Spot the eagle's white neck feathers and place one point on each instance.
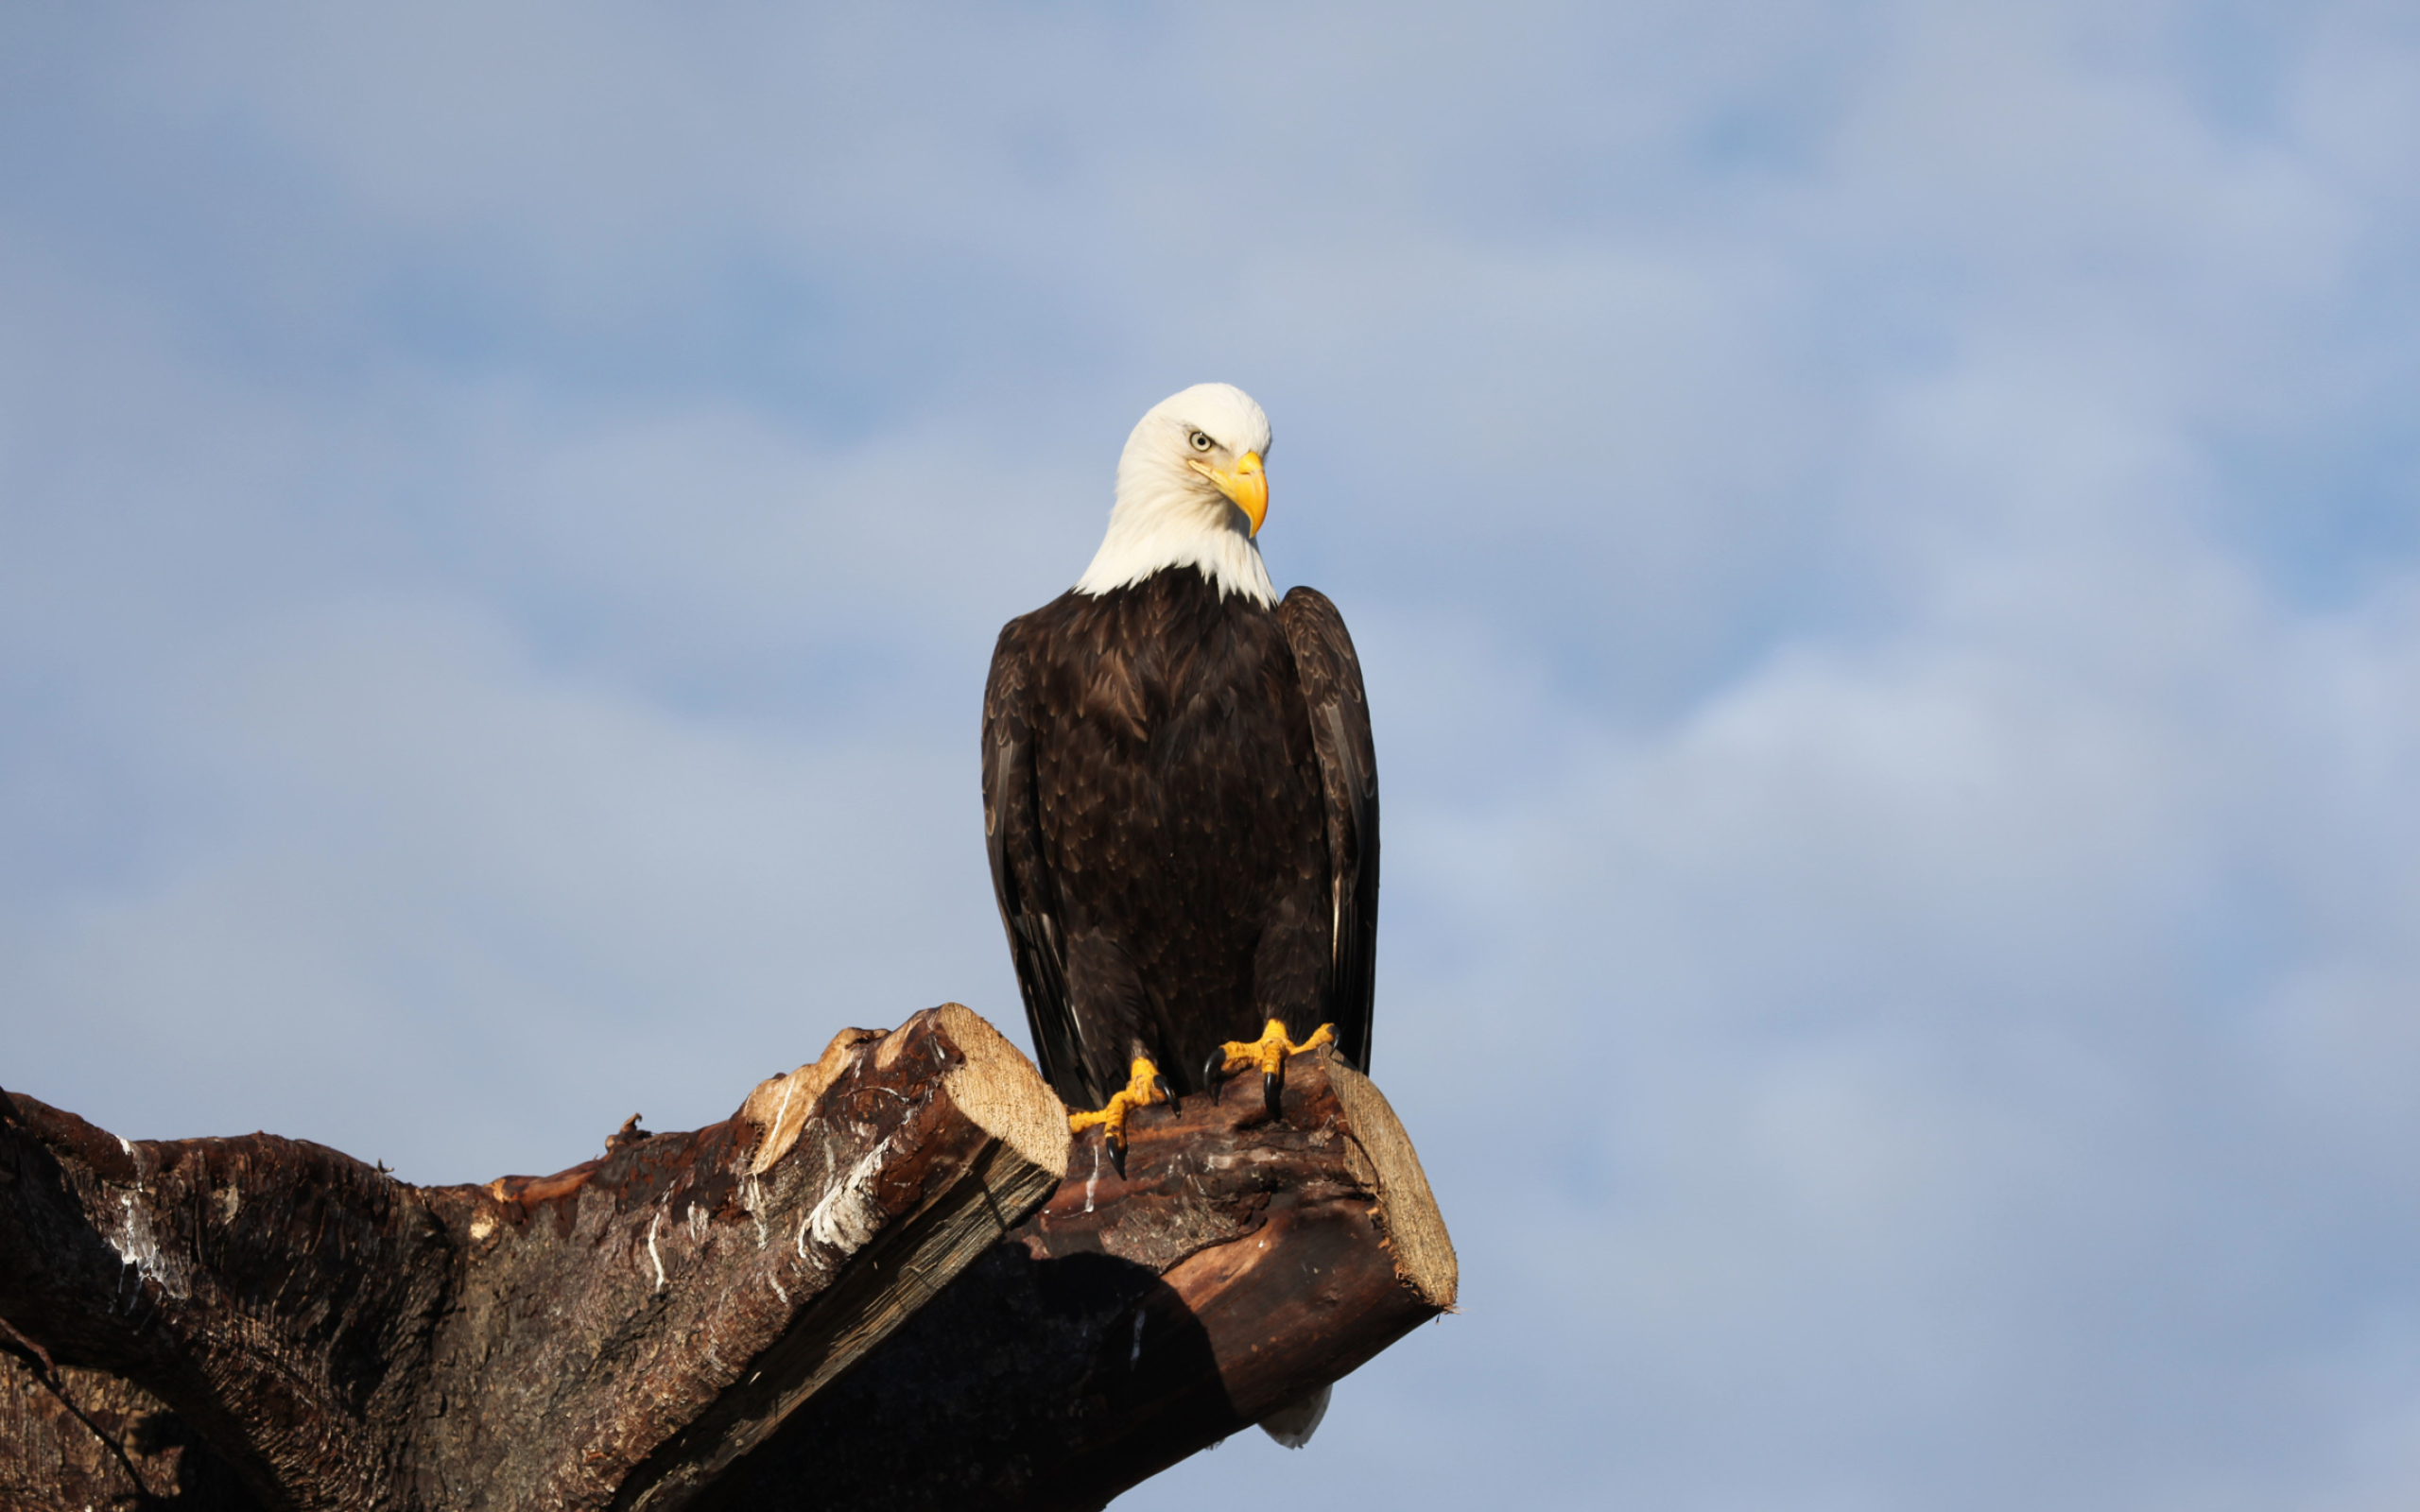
(1168, 515)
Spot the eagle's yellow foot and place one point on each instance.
(1268, 1053)
(1145, 1087)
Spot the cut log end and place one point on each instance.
(999, 1089)
(1416, 1230)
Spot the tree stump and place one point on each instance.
(877, 1283)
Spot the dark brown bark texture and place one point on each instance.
(81, 1440)
(871, 1287)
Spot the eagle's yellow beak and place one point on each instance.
(1247, 485)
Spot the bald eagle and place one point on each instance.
(1179, 791)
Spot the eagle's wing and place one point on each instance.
(1331, 677)
(1020, 877)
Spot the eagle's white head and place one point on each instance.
(1190, 493)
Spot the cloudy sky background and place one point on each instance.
(1885, 539)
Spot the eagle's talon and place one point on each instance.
(1143, 1087)
(1167, 1093)
(1215, 1075)
(1268, 1053)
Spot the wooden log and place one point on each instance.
(759, 1314)
(615, 1335)
(1240, 1266)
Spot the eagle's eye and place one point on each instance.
(1201, 440)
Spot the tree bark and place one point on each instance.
(828, 1300)
(77, 1440)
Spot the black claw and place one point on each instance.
(1116, 1153)
(1272, 1091)
(1160, 1085)
(1214, 1072)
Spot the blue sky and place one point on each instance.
(1885, 541)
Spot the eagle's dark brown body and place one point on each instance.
(1181, 807)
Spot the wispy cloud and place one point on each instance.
(1886, 541)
